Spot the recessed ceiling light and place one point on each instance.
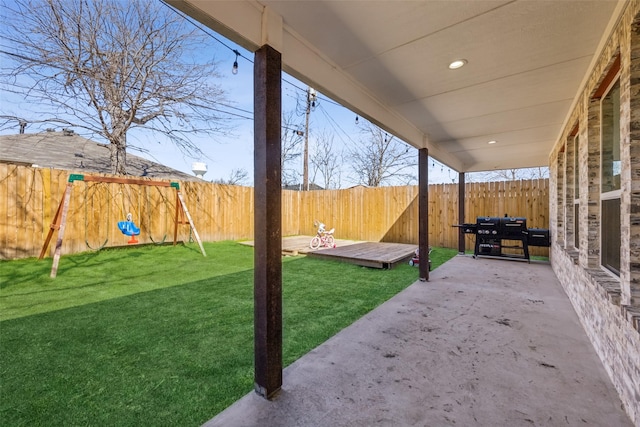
(493, 141)
(457, 64)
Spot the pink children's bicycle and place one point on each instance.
(324, 238)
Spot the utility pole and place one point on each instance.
(311, 102)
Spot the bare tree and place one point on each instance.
(325, 162)
(379, 158)
(236, 177)
(291, 149)
(108, 67)
(510, 174)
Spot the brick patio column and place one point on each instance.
(423, 212)
(569, 193)
(591, 228)
(632, 294)
(267, 222)
(560, 206)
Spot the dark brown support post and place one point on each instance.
(461, 194)
(267, 222)
(423, 212)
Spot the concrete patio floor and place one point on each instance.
(486, 342)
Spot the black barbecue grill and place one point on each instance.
(490, 233)
(513, 227)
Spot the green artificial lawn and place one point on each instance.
(161, 335)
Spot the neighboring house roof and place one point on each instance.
(68, 150)
(298, 187)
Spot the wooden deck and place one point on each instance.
(367, 254)
(294, 245)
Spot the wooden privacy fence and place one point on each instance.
(390, 214)
(29, 198)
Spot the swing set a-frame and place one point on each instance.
(60, 218)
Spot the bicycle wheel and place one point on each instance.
(329, 241)
(315, 243)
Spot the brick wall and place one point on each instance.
(608, 326)
(607, 304)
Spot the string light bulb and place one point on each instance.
(357, 121)
(234, 69)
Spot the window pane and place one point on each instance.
(610, 256)
(576, 175)
(610, 116)
(576, 225)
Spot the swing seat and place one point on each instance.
(128, 228)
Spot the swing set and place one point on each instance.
(127, 227)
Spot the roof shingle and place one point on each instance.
(68, 150)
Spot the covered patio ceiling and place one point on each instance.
(388, 61)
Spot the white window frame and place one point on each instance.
(609, 195)
(576, 188)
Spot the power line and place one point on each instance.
(15, 55)
(238, 109)
(323, 98)
(336, 126)
(232, 114)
